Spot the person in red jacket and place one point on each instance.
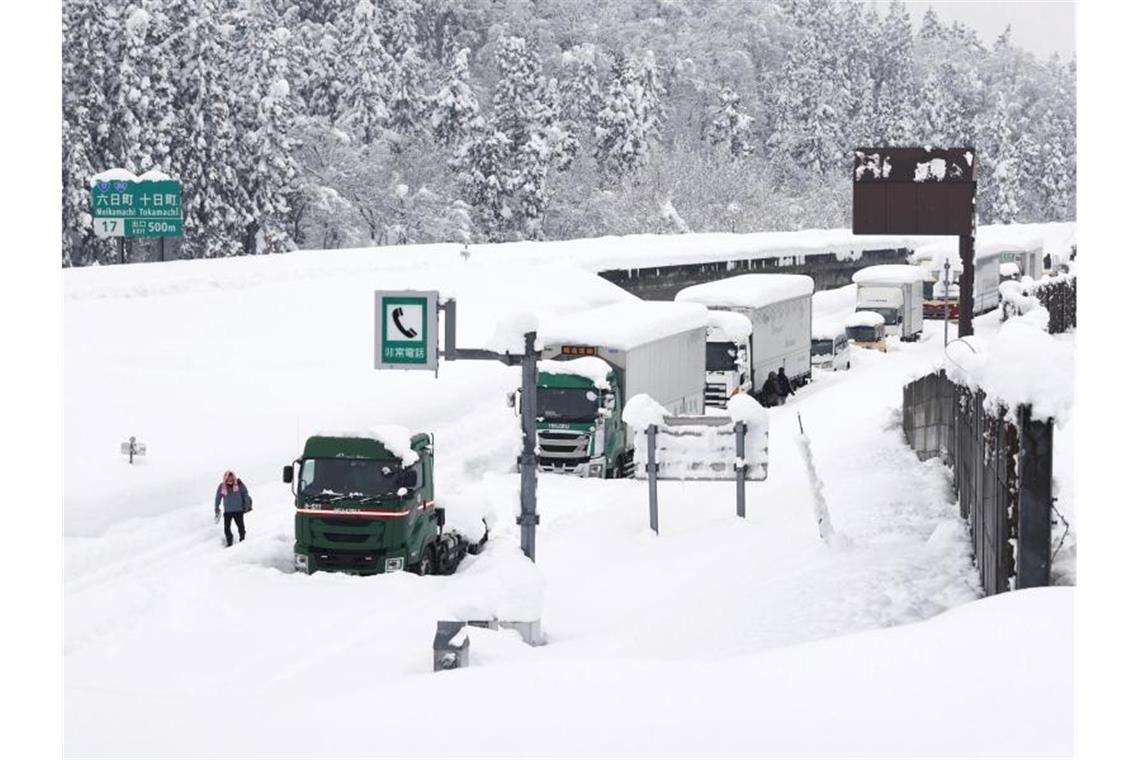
(232, 498)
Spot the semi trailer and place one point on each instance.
(779, 308)
(594, 361)
(365, 504)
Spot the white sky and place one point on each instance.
(1039, 26)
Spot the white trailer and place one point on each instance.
(895, 292)
(779, 307)
(653, 347)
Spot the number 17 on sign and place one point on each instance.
(109, 228)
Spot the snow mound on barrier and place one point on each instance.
(641, 411)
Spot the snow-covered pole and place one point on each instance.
(946, 302)
(528, 510)
(651, 475)
(741, 467)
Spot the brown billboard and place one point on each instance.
(913, 191)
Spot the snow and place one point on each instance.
(828, 330)
(749, 290)
(641, 411)
(732, 325)
(510, 333)
(395, 438)
(213, 364)
(1054, 238)
(154, 175)
(889, 273)
(744, 408)
(1022, 364)
(865, 319)
(624, 325)
(125, 175)
(934, 169)
(590, 367)
(1009, 269)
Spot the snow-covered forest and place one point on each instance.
(335, 123)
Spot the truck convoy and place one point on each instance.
(365, 504)
(595, 360)
(987, 276)
(779, 308)
(895, 291)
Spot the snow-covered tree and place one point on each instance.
(454, 107)
(630, 118)
(487, 180)
(732, 127)
(1000, 181)
(366, 84)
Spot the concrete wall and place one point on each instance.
(662, 283)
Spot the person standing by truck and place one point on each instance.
(233, 498)
(770, 391)
(783, 386)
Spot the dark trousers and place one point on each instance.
(238, 518)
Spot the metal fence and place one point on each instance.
(1057, 294)
(1003, 468)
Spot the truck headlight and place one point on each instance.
(596, 470)
(301, 562)
(393, 564)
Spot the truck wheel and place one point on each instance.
(426, 565)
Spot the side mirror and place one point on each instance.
(609, 402)
(287, 474)
(513, 401)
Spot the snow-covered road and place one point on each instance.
(174, 645)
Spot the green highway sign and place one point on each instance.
(406, 324)
(147, 208)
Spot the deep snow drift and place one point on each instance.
(720, 636)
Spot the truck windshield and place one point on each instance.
(720, 357)
(348, 478)
(567, 404)
(821, 347)
(862, 334)
(890, 316)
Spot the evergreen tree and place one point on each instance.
(999, 183)
(897, 89)
(486, 180)
(454, 108)
(731, 126)
(630, 117)
(367, 87)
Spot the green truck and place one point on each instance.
(366, 504)
(594, 361)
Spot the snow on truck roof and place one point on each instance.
(749, 290)
(395, 438)
(865, 319)
(826, 330)
(589, 367)
(892, 273)
(624, 325)
(735, 326)
(1055, 238)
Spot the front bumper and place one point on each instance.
(352, 561)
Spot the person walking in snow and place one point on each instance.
(770, 391)
(784, 386)
(233, 498)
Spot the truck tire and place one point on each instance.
(426, 565)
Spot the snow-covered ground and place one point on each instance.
(721, 636)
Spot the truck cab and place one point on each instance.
(365, 504)
(866, 329)
(578, 430)
(728, 359)
(829, 347)
(894, 292)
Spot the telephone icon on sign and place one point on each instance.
(407, 332)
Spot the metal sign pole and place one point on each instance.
(966, 286)
(528, 511)
(741, 467)
(946, 303)
(651, 474)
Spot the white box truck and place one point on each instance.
(895, 292)
(779, 307)
(596, 360)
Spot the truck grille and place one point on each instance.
(561, 449)
(716, 395)
(349, 561)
